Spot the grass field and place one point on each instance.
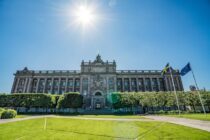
(76, 129)
(194, 116)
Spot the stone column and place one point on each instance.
(13, 85)
(16, 86)
(123, 84)
(74, 82)
(170, 84)
(80, 86)
(37, 86)
(89, 82)
(45, 85)
(52, 83)
(29, 85)
(158, 82)
(115, 84)
(137, 85)
(130, 85)
(25, 85)
(166, 83)
(59, 85)
(107, 85)
(180, 83)
(144, 87)
(151, 86)
(66, 84)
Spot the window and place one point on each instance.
(55, 83)
(147, 84)
(63, 82)
(154, 84)
(141, 84)
(77, 82)
(49, 83)
(162, 86)
(70, 83)
(126, 84)
(111, 84)
(98, 94)
(119, 84)
(133, 84)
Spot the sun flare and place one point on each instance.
(84, 15)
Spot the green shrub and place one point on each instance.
(1, 111)
(8, 114)
(173, 111)
(161, 112)
(70, 100)
(27, 100)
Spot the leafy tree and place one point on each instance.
(70, 100)
(193, 100)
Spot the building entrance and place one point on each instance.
(98, 101)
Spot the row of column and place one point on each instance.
(25, 85)
(167, 84)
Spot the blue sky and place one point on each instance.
(138, 34)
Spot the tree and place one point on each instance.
(192, 99)
(70, 100)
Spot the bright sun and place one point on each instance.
(84, 15)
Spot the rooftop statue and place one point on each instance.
(98, 59)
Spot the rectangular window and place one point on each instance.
(70, 83)
(126, 84)
(119, 84)
(154, 84)
(133, 84)
(162, 85)
(148, 84)
(141, 84)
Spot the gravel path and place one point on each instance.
(199, 124)
(72, 117)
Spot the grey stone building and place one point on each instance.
(95, 81)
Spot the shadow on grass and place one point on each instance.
(91, 134)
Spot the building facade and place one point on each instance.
(95, 81)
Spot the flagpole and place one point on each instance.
(198, 91)
(177, 101)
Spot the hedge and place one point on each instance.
(7, 113)
(40, 100)
(160, 100)
(1, 111)
(147, 100)
(70, 100)
(27, 100)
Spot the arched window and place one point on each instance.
(98, 94)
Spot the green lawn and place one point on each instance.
(194, 116)
(65, 129)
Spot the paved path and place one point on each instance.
(203, 125)
(74, 117)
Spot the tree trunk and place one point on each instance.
(193, 107)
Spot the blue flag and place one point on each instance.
(185, 70)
